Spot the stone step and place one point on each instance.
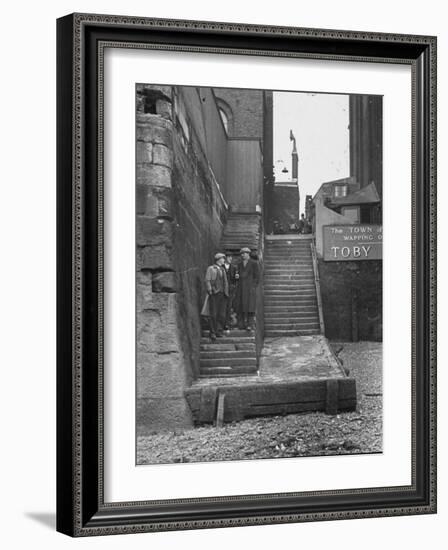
(279, 333)
(287, 314)
(205, 340)
(297, 280)
(227, 347)
(222, 372)
(285, 303)
(288, 307)
(293, 278)
(270, 298)
(288, 254)
(285, 246)
(289, 310)
(234, 333)
(244, 232)
(282, 289)
(290, 264)
(225, 354)
(288, 260)
(277, 322)
(227, 362)
(290, 293)
(218, 347)
(284, 324)
(288, 270)
(289, 283)
(298, 292)
(291, 248)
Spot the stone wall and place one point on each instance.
(352, 299)
(180, 214)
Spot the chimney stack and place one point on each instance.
(295, 157)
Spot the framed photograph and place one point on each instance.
(246, 274)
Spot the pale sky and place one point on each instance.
(320, 125)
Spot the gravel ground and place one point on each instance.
(310, 434)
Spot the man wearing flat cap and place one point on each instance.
(217, 287)
(248, 277)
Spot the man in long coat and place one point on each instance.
(217, 288)
(248, 277)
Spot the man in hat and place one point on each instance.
(217, 288)
(248, 277)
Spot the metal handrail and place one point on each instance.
(259, 304)
(317, 284)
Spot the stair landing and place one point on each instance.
(297, 374)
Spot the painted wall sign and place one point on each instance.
(352, 242)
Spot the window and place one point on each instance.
(351, 212)
(224, 119)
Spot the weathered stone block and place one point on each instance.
(155, 202)
(140, 102)
(155, 415)
(155, 258)
(162, 155)
(143, 197)
(154, 335)
(154, 129)
(156, 89)
(164, 108)
(144, 300)
(160, 375)
(153, 231)
(151, 174)
(164, 282)
(144, 152)
(144, 278)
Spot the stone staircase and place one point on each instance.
(290, 300)
(235, 353)
(232, 355)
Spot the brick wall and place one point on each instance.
(247, 111)
(285, 205)
(180, 214)
(352, 299)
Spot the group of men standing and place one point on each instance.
(231, 286)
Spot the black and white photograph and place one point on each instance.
(259, 295)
